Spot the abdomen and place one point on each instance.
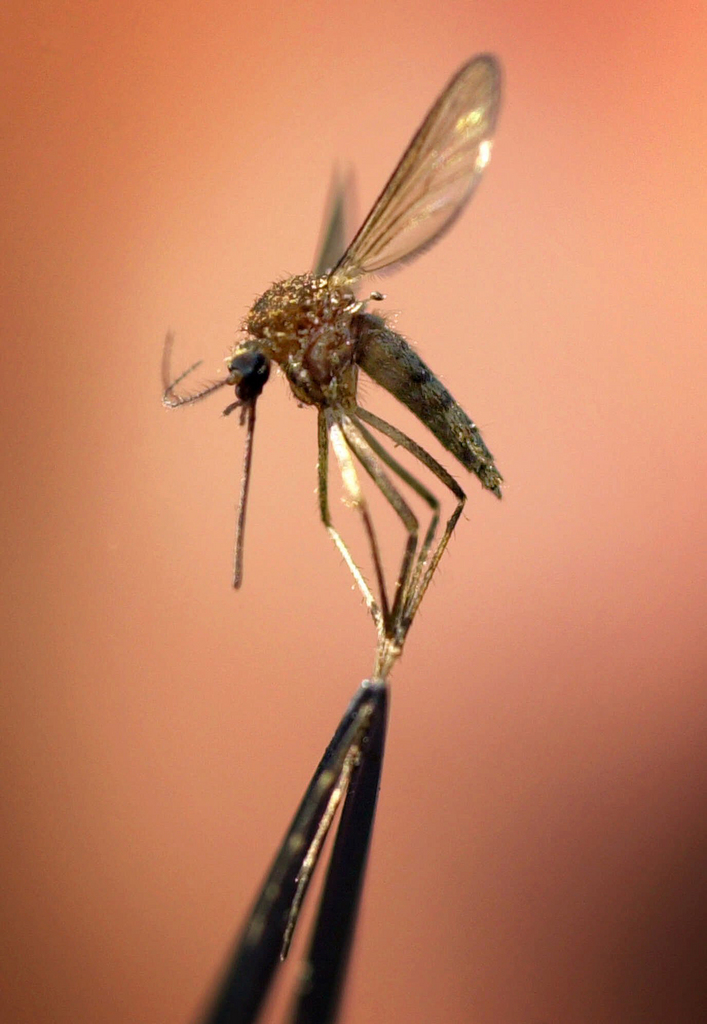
(388, 360)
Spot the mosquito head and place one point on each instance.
(249, 369)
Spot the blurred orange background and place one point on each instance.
(540, 845)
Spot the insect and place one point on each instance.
(321, 335)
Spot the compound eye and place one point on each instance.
(254, 370)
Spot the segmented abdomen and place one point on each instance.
(388, 359)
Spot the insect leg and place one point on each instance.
(417, 486)
(358, 501)
(323, 490)
(371, 464)
(420, 585)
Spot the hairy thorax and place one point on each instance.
(304, 324)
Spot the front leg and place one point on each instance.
(356, 498)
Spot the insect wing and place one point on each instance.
(435, 177)
(337, 224)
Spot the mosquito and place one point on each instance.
(321, 335)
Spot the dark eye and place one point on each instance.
(254, 370)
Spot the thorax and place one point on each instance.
(304, 324)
